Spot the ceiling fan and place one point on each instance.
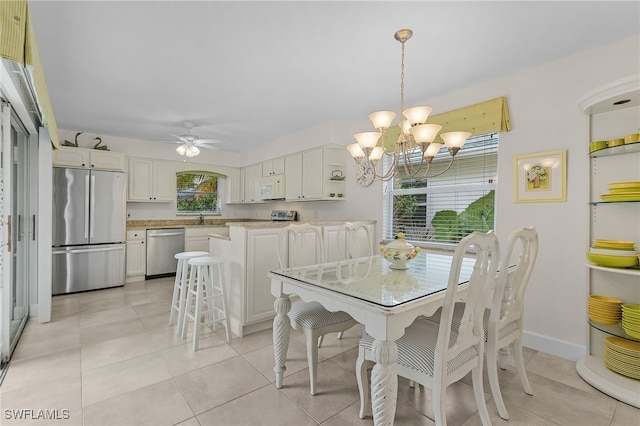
(190, 144)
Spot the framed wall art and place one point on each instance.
(540, 177)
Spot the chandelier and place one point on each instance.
(188, 149)
(415, 138)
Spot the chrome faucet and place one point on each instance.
(201, 219)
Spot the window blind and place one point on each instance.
(443, 209)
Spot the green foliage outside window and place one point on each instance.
(197, 192)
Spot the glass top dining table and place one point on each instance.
(384, 300)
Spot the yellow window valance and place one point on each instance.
(18, 44)
(479, 119)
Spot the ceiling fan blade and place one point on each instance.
(204, 141)
(179, 137)
(213, 148)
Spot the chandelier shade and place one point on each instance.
(415, 138)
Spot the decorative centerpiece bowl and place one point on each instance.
(399, 252)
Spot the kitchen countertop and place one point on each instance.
(181, 223)
(279, 224)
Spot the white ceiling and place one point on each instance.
(247, 73)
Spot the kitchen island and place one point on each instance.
(250, 252)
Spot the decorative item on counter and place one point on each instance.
(73, 144)
(399, 252)
(337, 175)
(98, 146)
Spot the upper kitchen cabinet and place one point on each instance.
(273, 167)
(151, 180)
(83, 158)
(316, 174)
(251, 173)
(303, 172)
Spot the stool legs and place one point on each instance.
(179, 295)
(207, 288)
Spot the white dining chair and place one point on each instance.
(504, 319)
(299, 245)
(434, 355)
(355, 240)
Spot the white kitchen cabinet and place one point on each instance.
(303, 173)
(312, 175)
(196, 238)
(136, 257)
(612, 220)
(249, 255)
(83, 158)
(151, 180)
(273, 167)
(251, 173)
(235, 187)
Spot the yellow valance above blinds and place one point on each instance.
(479, 119)
(18, 44)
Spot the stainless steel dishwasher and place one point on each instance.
(162, 246)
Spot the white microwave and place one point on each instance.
(270, 188)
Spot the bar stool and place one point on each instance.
(206, 284)
(180, 287)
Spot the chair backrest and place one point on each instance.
(508, 299)
(355, 240)
(299, 245)
(486, 250)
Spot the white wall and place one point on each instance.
(544, 113)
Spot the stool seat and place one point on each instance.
(206, 296)
(186, 255)
(180, 287)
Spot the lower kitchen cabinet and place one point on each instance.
(197, 238)
(136, 258)
(249, 255)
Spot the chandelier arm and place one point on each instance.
(441, 172)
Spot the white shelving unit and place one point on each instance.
(610, 118)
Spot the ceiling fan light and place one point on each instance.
(417, 115)
(182, 149)
(425, 132)
(382, 120)
(455, 139)
(192, 151)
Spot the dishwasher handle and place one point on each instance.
(166, 234)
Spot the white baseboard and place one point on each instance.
(546, 344)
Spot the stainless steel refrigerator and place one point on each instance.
(89, 229)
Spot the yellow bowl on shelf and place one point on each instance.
(632, 138)
(597, 145)
(613, 261)
(615, 142)
(620, 185)
(614, 244)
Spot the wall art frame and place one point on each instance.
(540, 177)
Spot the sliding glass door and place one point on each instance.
(18, 215)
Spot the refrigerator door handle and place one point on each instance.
(92, 206)
(86, 250)
(86, 206)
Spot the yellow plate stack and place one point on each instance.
(631, 320)
(604, 309)
(613, 253)
(622, 356)
(622, 191)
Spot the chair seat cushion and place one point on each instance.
(416, 349)
(313, 315)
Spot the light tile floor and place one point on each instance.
(109, 357)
